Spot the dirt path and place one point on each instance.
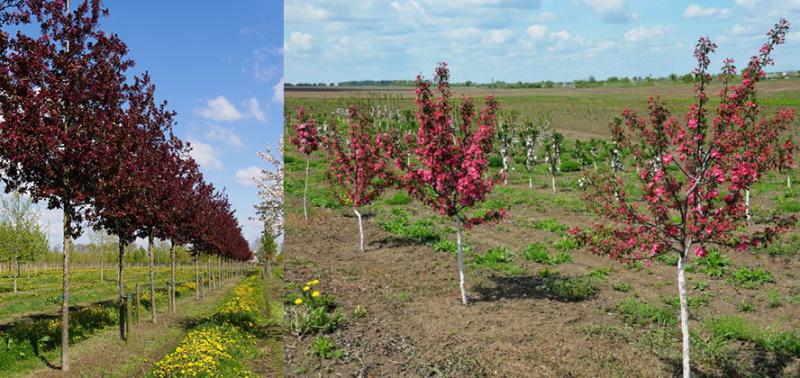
(104, 355)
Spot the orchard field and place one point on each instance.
(249, 319)
(541, 304)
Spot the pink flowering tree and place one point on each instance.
(306, 139)
(694, 185)
(448, 171)
(358, 163)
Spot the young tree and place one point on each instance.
(552, 155)
(449, 170)
(505, 135)
(306, 140)
(21, 237)
(358, 163)
(618, 143)
(270, 192)
(59, 96)
(529, 136)
(693, 189)
(266, 248)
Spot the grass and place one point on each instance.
(636, 312)
(751, 278)
(324, 347)
(714, 264)
(498, 259)
(399, 222)
(537, 252)
(735, 327)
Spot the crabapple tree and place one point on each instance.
(306, 139)
(694, 186)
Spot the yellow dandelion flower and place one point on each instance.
(306, 288)
(298, 301)
(315, 294)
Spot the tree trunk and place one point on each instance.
(360, 228)
(530, 182)
(197, 284)
(101, 270)
(172, 276)
(789, 181)
(684, 311)
(123, 311)
(553, 182)
(747, 204)
(305, 192)
(219, 271)
(208, 274)
(16, 273)
(65, 283)
(460, 262)
(152, 279)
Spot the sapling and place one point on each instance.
(529, 135)
(449, 170)
(306, 140)
(358, 163)
(552, 152)
(505, 135)
(693, 191)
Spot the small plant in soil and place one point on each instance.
(310, 311)
(552, 225)
(714, 264)
(498, 259)
(359, 312)
(623, 287)
(537, 252)
(324, 347)
(774, 298)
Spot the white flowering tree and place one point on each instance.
(270, 193)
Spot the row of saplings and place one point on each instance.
(693, 185)
(97, 144)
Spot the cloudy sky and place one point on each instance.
(220, 66)
(527, 40)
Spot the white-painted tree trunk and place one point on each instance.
(553, 181)
(747, 204)
(151, 255)
(360, 228)
(684, 311)
(530, 182)
(461, 283)
(305, 193)
(788, 181)
(16, 274)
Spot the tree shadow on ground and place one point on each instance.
(398, 242)
(555, 287)
(745, 362)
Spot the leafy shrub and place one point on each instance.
(751, 278)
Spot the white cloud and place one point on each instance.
(277, 92)
(645, 34)
(749, 4)
(219, 109)
(694, 11)
(247, 176)
(543, 17)
(220, 134)
(205, 155)
(299, 41)
(739, 29)
(462, 33)
(497, 36)
(305, 12)
(611, 10)
(560, 36)
(537, 31)
(255, 110)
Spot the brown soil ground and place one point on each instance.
(416, 325)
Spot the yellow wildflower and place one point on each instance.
(306, 288)
(315, 294)
(312, 282)
(298, 301)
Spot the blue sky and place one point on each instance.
(220, 67)
(523, 40)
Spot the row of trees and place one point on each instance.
(694, 172)
(79, 135)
